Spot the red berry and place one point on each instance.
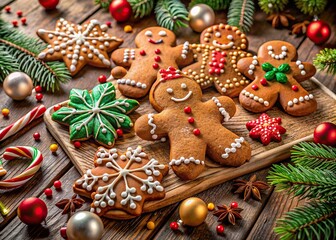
(24, 20)
(157, 59)
(109, 24)
(196, 132)
(187, 109)
(102, 79)
(263, 81)
(295, 88)
(39, 96)
(155, 65)
(174, 226)
(63, 232)
(15, 23)
(191, 120)
(77, 144)
(57, 184)
(57, 107)
(142, 53)
(157, 51)
(36, 136)
(220, 229)
(38, 89)
(120, 132)
(234, 205)
(19, 13)
(8, 9)
(255, 87)
(48, 192)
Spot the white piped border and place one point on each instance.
(184, 160)
(221, 109)
(132, 83)
(255, 98)
(153, 125)
(236, 144)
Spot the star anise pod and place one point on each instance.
(70, 205)
(231, 214)
(280, 19)
(300, 28)
(252, 187)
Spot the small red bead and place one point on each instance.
(48, 192)
(255, 87)
(196, 132)
(234, 205)
(102, 79)
(77, 144)
(157, 59)
(155, 66)
(57, 107)
(120, 132)
(220, 229)
(38, 89)
(263, 81)
(157, 51)
(39, 96)
(295, 88)
(57, 184)
(187, 109)
(63, 232)
(174, 226)
(36, 136)
(8, 9)
(142, 53)
(211, 71)
(191, 120)
(24, 20)
(19, 13)
(217, 71)
(108, 23)
(220, 65)
(15, 23)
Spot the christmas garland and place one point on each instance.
(241, 13)
(18, 52)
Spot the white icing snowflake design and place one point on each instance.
(136, 164)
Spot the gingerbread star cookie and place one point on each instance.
(276, 73)
(216, 59)
(78, 45)
(120, 183)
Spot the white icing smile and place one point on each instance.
(186, 97)
(222, 45)
(155, 42)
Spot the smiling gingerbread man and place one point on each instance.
(216, 60)
(155, 51)
(194, 127)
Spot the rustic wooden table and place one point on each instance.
(259, 217)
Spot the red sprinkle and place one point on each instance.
(23, 21)
(155, 65)
(77, 144)
(220, 229)
(263, 81)
(234, 205)
(157, 59)
(174, 226)
(255, 87)
(157, 51)
(295, 88)
(19, 13)
(187, 110)
(39, 96)
(109, 24)
(48, 192)
(120, 132)
(8, 9)
(15, 23)
(57, 184)
(191, 120)
(57, 107)
(142, 53)
(102, 79)
(196, 132)
(36, 136)
(38, 89)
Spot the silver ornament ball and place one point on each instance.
(201, 16)
(85, 225)
(18, 85)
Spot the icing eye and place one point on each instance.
(183, 85)
(162, 33)
(169, 90)
(230, 37)
(217, 34)
(148, 33)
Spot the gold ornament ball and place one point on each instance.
(193, 211)
(18, 85)
(201, 16)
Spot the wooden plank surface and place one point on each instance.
(58, 166)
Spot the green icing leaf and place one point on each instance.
(281, 77)
(284, 68)
(103, 94)
(81, 128)
(267, 67)
(270, 76)
(273, 73)
(106, 134)
(123, 105)
(64, 115)
(80, 99)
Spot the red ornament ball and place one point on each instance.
(63, 232)
(325, 133)
(32, 211)
(39, 96)
(49, 4)
(318, 31)
(120, 132)
(38, 89)
(120, 10)
(174, 226)
(102, 79)
(36, 136)
(77, 144)
(48, 192)
(57, 184)
(234, 205)
(220, 229)
(24, 20)
(57, 107)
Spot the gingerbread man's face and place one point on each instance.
(152, 36)
(224, 37)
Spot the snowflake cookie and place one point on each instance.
(120, 183)
(79, 45)
(96, 114)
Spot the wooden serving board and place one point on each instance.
(298, 129)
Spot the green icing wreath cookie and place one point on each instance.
(96, 114)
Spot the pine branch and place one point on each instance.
(8, 64)
(314, 221)
(241, 14)
(214, 4)
(272, 6)
(171, 13)
(314, 156)
(326, 60)
(103, 3)
(141, 8)
(304, 182)
(24, 50)
(311, 7)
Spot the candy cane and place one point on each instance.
(21, 151)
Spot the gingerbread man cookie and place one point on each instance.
(120, 183)
(216, 60)
(155, 50)
(79, 45)
(276, 73)
(194, 127)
